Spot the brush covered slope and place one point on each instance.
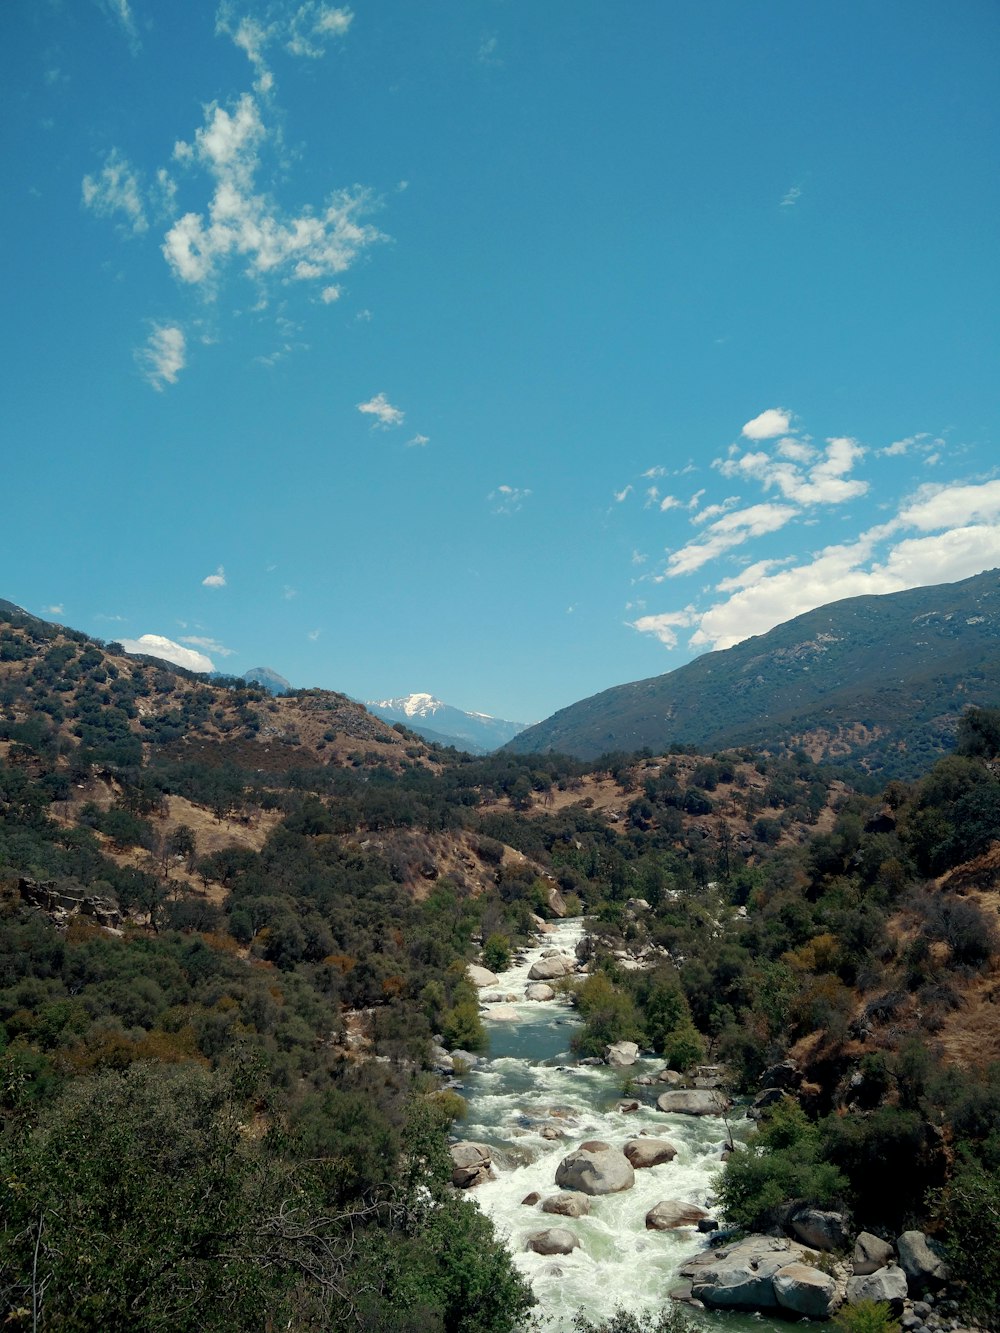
(878, 682)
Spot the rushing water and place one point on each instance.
(531, 1081)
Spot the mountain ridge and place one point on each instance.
(899, 666)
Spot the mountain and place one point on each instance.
(440, 722)
(269, 678)
(875, 681)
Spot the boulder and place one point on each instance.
(595, 1145)
(568, 1203)
(481, 976)
(627, 1106)
(870, 1254)
(621, 1054)
(530, 1199)
(819, 1229)
(784, 1075)
(503, 1013)
(920, 1261)
(556, 1240)
(473, 1164)
(669, 1214)
(647, 1152)
(693, 1101)
(768, 1097)
(670, 1076)
(538, 990)
(885, 1284)
(804, 1290)
(601, 1170)
(547, 969)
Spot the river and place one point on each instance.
(529, 1081)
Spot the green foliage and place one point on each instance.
(866, 1317)
(462, 1027)
(668, 1320)
(782, 1162)
(610, 1014)
(968, 1210)
(496, 953)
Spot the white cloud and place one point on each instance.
(638, 558)
(823, 483)
(487, 53)
(791, 198)
(725, 533)
(313, 634)
(948, 506)
(752, 574)
(56, 610)
(796, 450)
(713, 511)
(775, 421)
(122, 13)
(312, 25)
(216, 580)
(210, 645)
(289, 593)
(301, 247)
(330, 294)
(508, 499)
(155, 645)
(164, 356)
(670, 502)
(116, 189)
(665, 625)
(418, 441)
(623, 494)
(382, 410)
(652, 473)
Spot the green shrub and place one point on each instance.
(866, 1317)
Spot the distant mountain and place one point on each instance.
(270, 679)
(440, 722)
(875, 681)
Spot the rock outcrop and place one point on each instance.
(473, 1163)
(693, 1101)
(645, 1152)
(548, 969)
(669, 1214)
(568, 1203)
(556, 1240)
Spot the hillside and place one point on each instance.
(877, 682)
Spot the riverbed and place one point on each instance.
(531, 1082)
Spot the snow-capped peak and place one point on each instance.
(413, 705)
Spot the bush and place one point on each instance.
(866, 1317)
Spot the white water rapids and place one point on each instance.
(531, 1080)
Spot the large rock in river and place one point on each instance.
(547, 969)
(568, 1203)
(920, 1261)
(481, 976)
(805, 1290)
(740, 1276)
(473, 1164)
(885, 1284)
(644, 1152)
(621, 1054)
(557, 1240)
(538, 990)
(693, 1101)
(598, 1170)
(669, 1214)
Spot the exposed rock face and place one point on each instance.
(693, 1101)
(921, 1263)
(645, 1152)
(870, 1254)
(473, 1164)
(885, 1284)
(538, 990)
(805, 1290)
(822, 1230)
(481, 976)
(740, 1276)
(621, 1054)
(669, 1214)
(68, 901)
(601, 1170)
(569, 1203)
(556, 1240)
(547, 969)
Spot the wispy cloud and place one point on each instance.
(216, 580)
(313, 634)
(246, 224)
(791, 197)
(210, 645)
(306, 30)
(163, 357)
(823, 483)
(55, 610)
(157, 645)
(623, 494)
(382, 410)
(508, 499)
(418, 441)
(121, 12)
(665, 625)
(117, 189)
(725, 533)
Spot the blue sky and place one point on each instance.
(500, 349)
